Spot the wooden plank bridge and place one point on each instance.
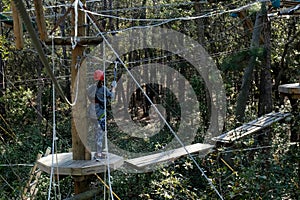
(251, 127)
(144, 162)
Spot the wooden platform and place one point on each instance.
(67, 166)
(141, 163)
(292, 90)
(251, 127)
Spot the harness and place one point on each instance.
(101, 104)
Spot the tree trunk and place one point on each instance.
(265, 99)
(65, 56)
(198, 6)
(110, 5)
(265, 88)
(2, 86)
(199, 22)
(247, 78)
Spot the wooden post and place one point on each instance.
(78, 148)
(18, 29)
(40, 19)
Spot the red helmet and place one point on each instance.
(98, 75)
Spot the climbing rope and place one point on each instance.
(74, 39)
(105, 129)
(54, 144)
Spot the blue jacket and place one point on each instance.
(99, 99)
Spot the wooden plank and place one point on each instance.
(251, 127)
(65, 165)
(17, 26)
(153, 159)
(291, 90)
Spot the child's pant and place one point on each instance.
(100, 128)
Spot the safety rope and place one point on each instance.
(74, 39)
(54, 138)
(105, 129)
(53, 134)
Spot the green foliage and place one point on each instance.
(262, 173)
(239, 60)
(18, 105)
(5, 5)
(3, 47)
(258, 174)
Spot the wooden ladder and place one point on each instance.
(31, 189)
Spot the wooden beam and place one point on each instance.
(17, 26)
(85, 195)
(80, 42)
(40, 19)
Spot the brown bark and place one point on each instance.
(265, 98)
(247, 78)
